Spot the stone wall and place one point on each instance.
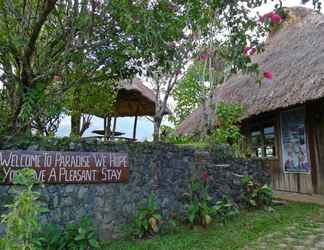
(164, 169)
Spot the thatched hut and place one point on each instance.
(133, 99)
(284, 119)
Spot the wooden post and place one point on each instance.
(134, 131)
(108, 127)
(114, 126)
(105, 128)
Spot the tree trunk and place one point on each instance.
(205, 119)
(157, 124)
(86, 122)
(210, 114)
(15, 109)
(75, 124)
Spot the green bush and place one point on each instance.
(22, 221)
(255, 195)
(147, 219)
(80, 236)
(225, 210)
(168, 134)
(228, 130)
(51, 237)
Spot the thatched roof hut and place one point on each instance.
(133, 99)
(294, 54)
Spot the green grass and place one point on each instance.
(236, 234)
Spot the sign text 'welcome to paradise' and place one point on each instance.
(66, 167)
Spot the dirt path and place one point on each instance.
(307, 235)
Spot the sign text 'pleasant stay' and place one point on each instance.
(66, 167)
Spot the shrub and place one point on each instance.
(51, 237)
(225, 209)
(22, 221)
(199, 210)
(168, 134)
(255, 195)
(147, 219)
(228, 130)
(80, 236)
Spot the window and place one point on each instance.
(263, 141)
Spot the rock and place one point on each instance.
(83, 191)
(279, 203)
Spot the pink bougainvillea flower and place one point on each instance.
(204, 57)
(249, 51)
(268, 75)
(246, 51)
(266, 16)
(57, 78)
(205, 176)
(252, 51)
(276, 19)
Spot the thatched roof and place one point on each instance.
(133, 99)
(294, 54)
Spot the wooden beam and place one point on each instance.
(134, 131)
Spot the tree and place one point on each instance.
(88, 99)
(58, 44)
(189, 93)
(50, 45)
(201, 25)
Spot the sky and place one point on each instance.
(144, 126)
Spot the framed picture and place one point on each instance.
(294, 141)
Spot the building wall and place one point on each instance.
(314, 125)
(163, 169)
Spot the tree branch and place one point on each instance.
(49, 5)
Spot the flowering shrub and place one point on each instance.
(199, 210)
(271, 21)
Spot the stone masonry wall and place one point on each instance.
(164, 169)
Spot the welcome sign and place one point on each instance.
(66, 167)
